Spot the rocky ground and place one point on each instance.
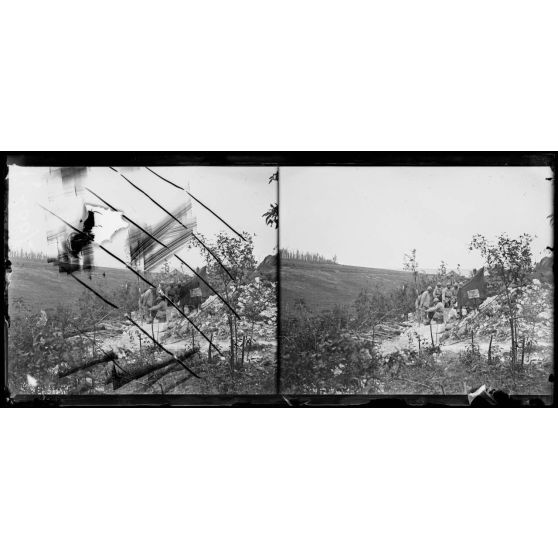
(482, 331)
(258, 328)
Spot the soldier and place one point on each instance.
(146, 300)
(155, 303)
(417, 307)
(425, 301)
(436, 312)
(446, 296)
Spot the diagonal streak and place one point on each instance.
(101, 348)
(200, 202)
(163, 348)
(177, 220)
(151, 337)
(139, 275)
(165, 246)
(94, 291)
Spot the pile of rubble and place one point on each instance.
(256, 304)
(533, 305)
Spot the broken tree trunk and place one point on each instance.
(160, 374)
(101, 327)
(110, 356)
(490, 351)
(119, 379)
(177, 382)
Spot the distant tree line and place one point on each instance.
(28, 254)
(305, 256)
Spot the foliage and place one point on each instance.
(272, 215)
(509, 260)
(320, 355)
(126, 297)
(91, 309)
(372, 307)
(28, 254)
(254, 378)
(297, 255)
(238, 257)
(410, 263)
(236, 254)
(38, 350)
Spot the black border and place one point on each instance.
(283, 158)
(270, 159)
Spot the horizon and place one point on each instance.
(428, 271)
(223, 189)
(373, 216)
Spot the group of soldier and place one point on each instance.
(437, 304)
(155, 300)
(152, 301)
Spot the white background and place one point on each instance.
(289, 75)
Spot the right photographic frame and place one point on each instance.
(418, 278)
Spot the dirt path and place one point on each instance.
(123, 338)
(408, 340)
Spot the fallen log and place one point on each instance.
(103, 328)
(108, 357)
(119, 379)
(177, 382)
(157, 375)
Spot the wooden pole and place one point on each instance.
(490, 351)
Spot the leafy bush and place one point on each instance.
(320, 355)
(38, 350)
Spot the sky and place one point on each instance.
(240, 195)
(372, 216)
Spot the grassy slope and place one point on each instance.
(321, 285)
(325, 285)
(41, 286)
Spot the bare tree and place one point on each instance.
(410, 263)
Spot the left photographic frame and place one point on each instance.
(141, 278)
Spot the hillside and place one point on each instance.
(40, 285)
(322, 286)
